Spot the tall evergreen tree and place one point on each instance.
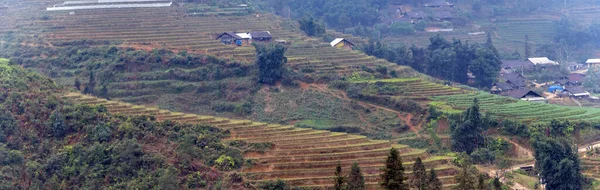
(339, 179)
(497, 184)
(89, 87)
(468, 135)
(558, 163)
(489, 43)
(433, 182)
(419, 180)
(393, 173)
(77, 84)
(356, 181)
(465, 179)
(527, 48)
(481, 185)
(104, 92)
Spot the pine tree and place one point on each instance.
(77, 84)
(393, 173)
(481, 185)
(339, 179)
(464, 179)
(104, 92)
(527, 48)
(356, 181)
(419, 180)
(89, 87)
(433, 183)
(497, 184)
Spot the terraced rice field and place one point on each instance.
(301, 157)
(530, 112)
(418, 88)
(591, 167)
(584, 15)
(321, 58)
(540, 30)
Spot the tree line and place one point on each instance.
(443, 59)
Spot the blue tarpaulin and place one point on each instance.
(555, 88)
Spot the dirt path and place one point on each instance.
(494, 172)
(520, 149)
(591, 145)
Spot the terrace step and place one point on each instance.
(335, 156)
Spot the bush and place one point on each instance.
(346, 129)
(514, 128)
(483, 156)
(274, 185)
(402, 28)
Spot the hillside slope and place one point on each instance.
(301, 157)
(50, 143)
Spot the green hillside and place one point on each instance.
(179, 107)
(47, 142)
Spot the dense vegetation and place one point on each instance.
(444, 59)
(49, 143)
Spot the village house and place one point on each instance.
(527, 95)
(593, 63)
(575, 92)
(509, 82)
(574, 79)
(542, 61)
(230, 38)
(245, 38)
(261, 36)
(516, 66)
(438, 3)
(342, 43)
(416, 15)
(443, 15)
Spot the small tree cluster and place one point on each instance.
(270, 60)
(421, 180)
(355, 181)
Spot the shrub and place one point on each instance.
(483, 156)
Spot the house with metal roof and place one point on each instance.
(542, 61)
(261, 36)
(575, 92)
(230, 38)
(517, 66)
(342, 43)
(438, 3)
(593, 62)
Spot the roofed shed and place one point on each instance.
(263, 36)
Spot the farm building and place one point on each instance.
(501, 87)
(342, 43)
(261, 36)
(242, 38)
(417, 15)
(438, 3)
(517, 66)
(575, 92)
(443, 15)
(517, 80)
(542, 61)
(527, 95)
(593, 63)
(230, 38)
